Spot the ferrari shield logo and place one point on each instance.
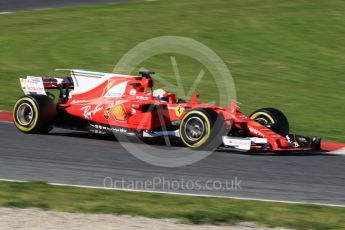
(110, 84)
(179, 111)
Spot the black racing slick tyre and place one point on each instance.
(34, 114)
(202, 129)
(272, 119)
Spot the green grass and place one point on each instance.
(196, 210)
(284, 54)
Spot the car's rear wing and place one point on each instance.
(33, 85)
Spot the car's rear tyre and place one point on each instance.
(272, 119)
(202, 129)
(34, 114)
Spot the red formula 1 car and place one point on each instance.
(113, 103)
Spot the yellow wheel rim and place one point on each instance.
(207, 129)
(256, 115)
(23, 121)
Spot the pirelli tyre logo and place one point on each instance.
(120, 113)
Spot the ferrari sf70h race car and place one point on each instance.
(128, 105)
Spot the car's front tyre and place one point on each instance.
(273, 119)
(202, 129)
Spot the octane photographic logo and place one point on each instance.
(167, 155)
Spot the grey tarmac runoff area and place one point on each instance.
(77, 158)
(16, 5)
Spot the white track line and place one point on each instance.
(186, 194)
(6, 12)
(7, 122)
(338, 152)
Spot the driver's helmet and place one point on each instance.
(160, 94)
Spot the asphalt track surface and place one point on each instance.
(85, 159)
(15, 5)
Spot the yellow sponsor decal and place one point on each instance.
(120, 113)
(106, 113)
(179, 111)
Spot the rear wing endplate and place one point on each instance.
(32, 85)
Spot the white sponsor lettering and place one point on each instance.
(79, 102)
(32, 85)
(119, 130)
(88, 113)
(144, 98)
(256, 132)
